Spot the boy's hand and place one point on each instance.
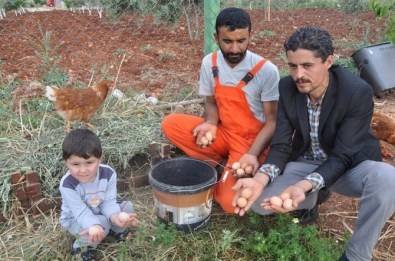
(124, 219)
(95, 233)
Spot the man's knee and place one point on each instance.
(168, 122)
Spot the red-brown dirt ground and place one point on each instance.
(159, 57)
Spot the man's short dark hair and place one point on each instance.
(313, 39)
(234, 18)
(82, 143)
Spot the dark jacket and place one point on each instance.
(344, 128)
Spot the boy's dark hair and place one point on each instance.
(81, 143)
(234, 18)
(311, 38)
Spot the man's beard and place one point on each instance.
(234, 58)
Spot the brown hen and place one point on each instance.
(383, 128)
(78, 104)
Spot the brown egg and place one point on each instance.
(249, 169)
(209, 136)
(244, 165)
(287, 204)
(240, 172)
(241, 202)
(246, 193)
(236, 165)
(276, 201)
(285, 196)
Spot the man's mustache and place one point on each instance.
(302, 80)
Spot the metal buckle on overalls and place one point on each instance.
(248, 77)
(215, 71)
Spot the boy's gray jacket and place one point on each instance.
(82, 203)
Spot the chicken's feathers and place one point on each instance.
(50, 92)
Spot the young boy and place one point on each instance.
(90, 210)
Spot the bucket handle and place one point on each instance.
(207, 197)
(206, 186)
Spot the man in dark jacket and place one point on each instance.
(323, 141)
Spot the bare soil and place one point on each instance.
(160, 57)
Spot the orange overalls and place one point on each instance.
(236, 131)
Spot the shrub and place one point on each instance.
(353, 6)
(40, 2)
(289, 241)
(14, 4)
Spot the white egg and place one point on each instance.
(236, 165)
(123, 216)
(152, 100)
(93, 230)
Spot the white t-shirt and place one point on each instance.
(263, 87)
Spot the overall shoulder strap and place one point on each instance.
(215, 68)
(250, 75)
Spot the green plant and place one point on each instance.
(385, 8)
(164, 234)
(347, 63)
(104, 72)
(55, 76)
(289, 241)
(119, 51)
(7, 113)
(228, 239)
(168, 11)
(167, 55)
(354, 23)
(52, 74)
(68, 3)
(278, 5)
(14, 4)
(266, 33)
(40, 2)
(283, 73)
(187, 91)
(123, 251)
(353, 6)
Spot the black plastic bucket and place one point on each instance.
(376, 64)
(183, 192)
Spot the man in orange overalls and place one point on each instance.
(241, 90)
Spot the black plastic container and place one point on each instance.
(376, 64)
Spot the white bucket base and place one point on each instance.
(186, 219)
